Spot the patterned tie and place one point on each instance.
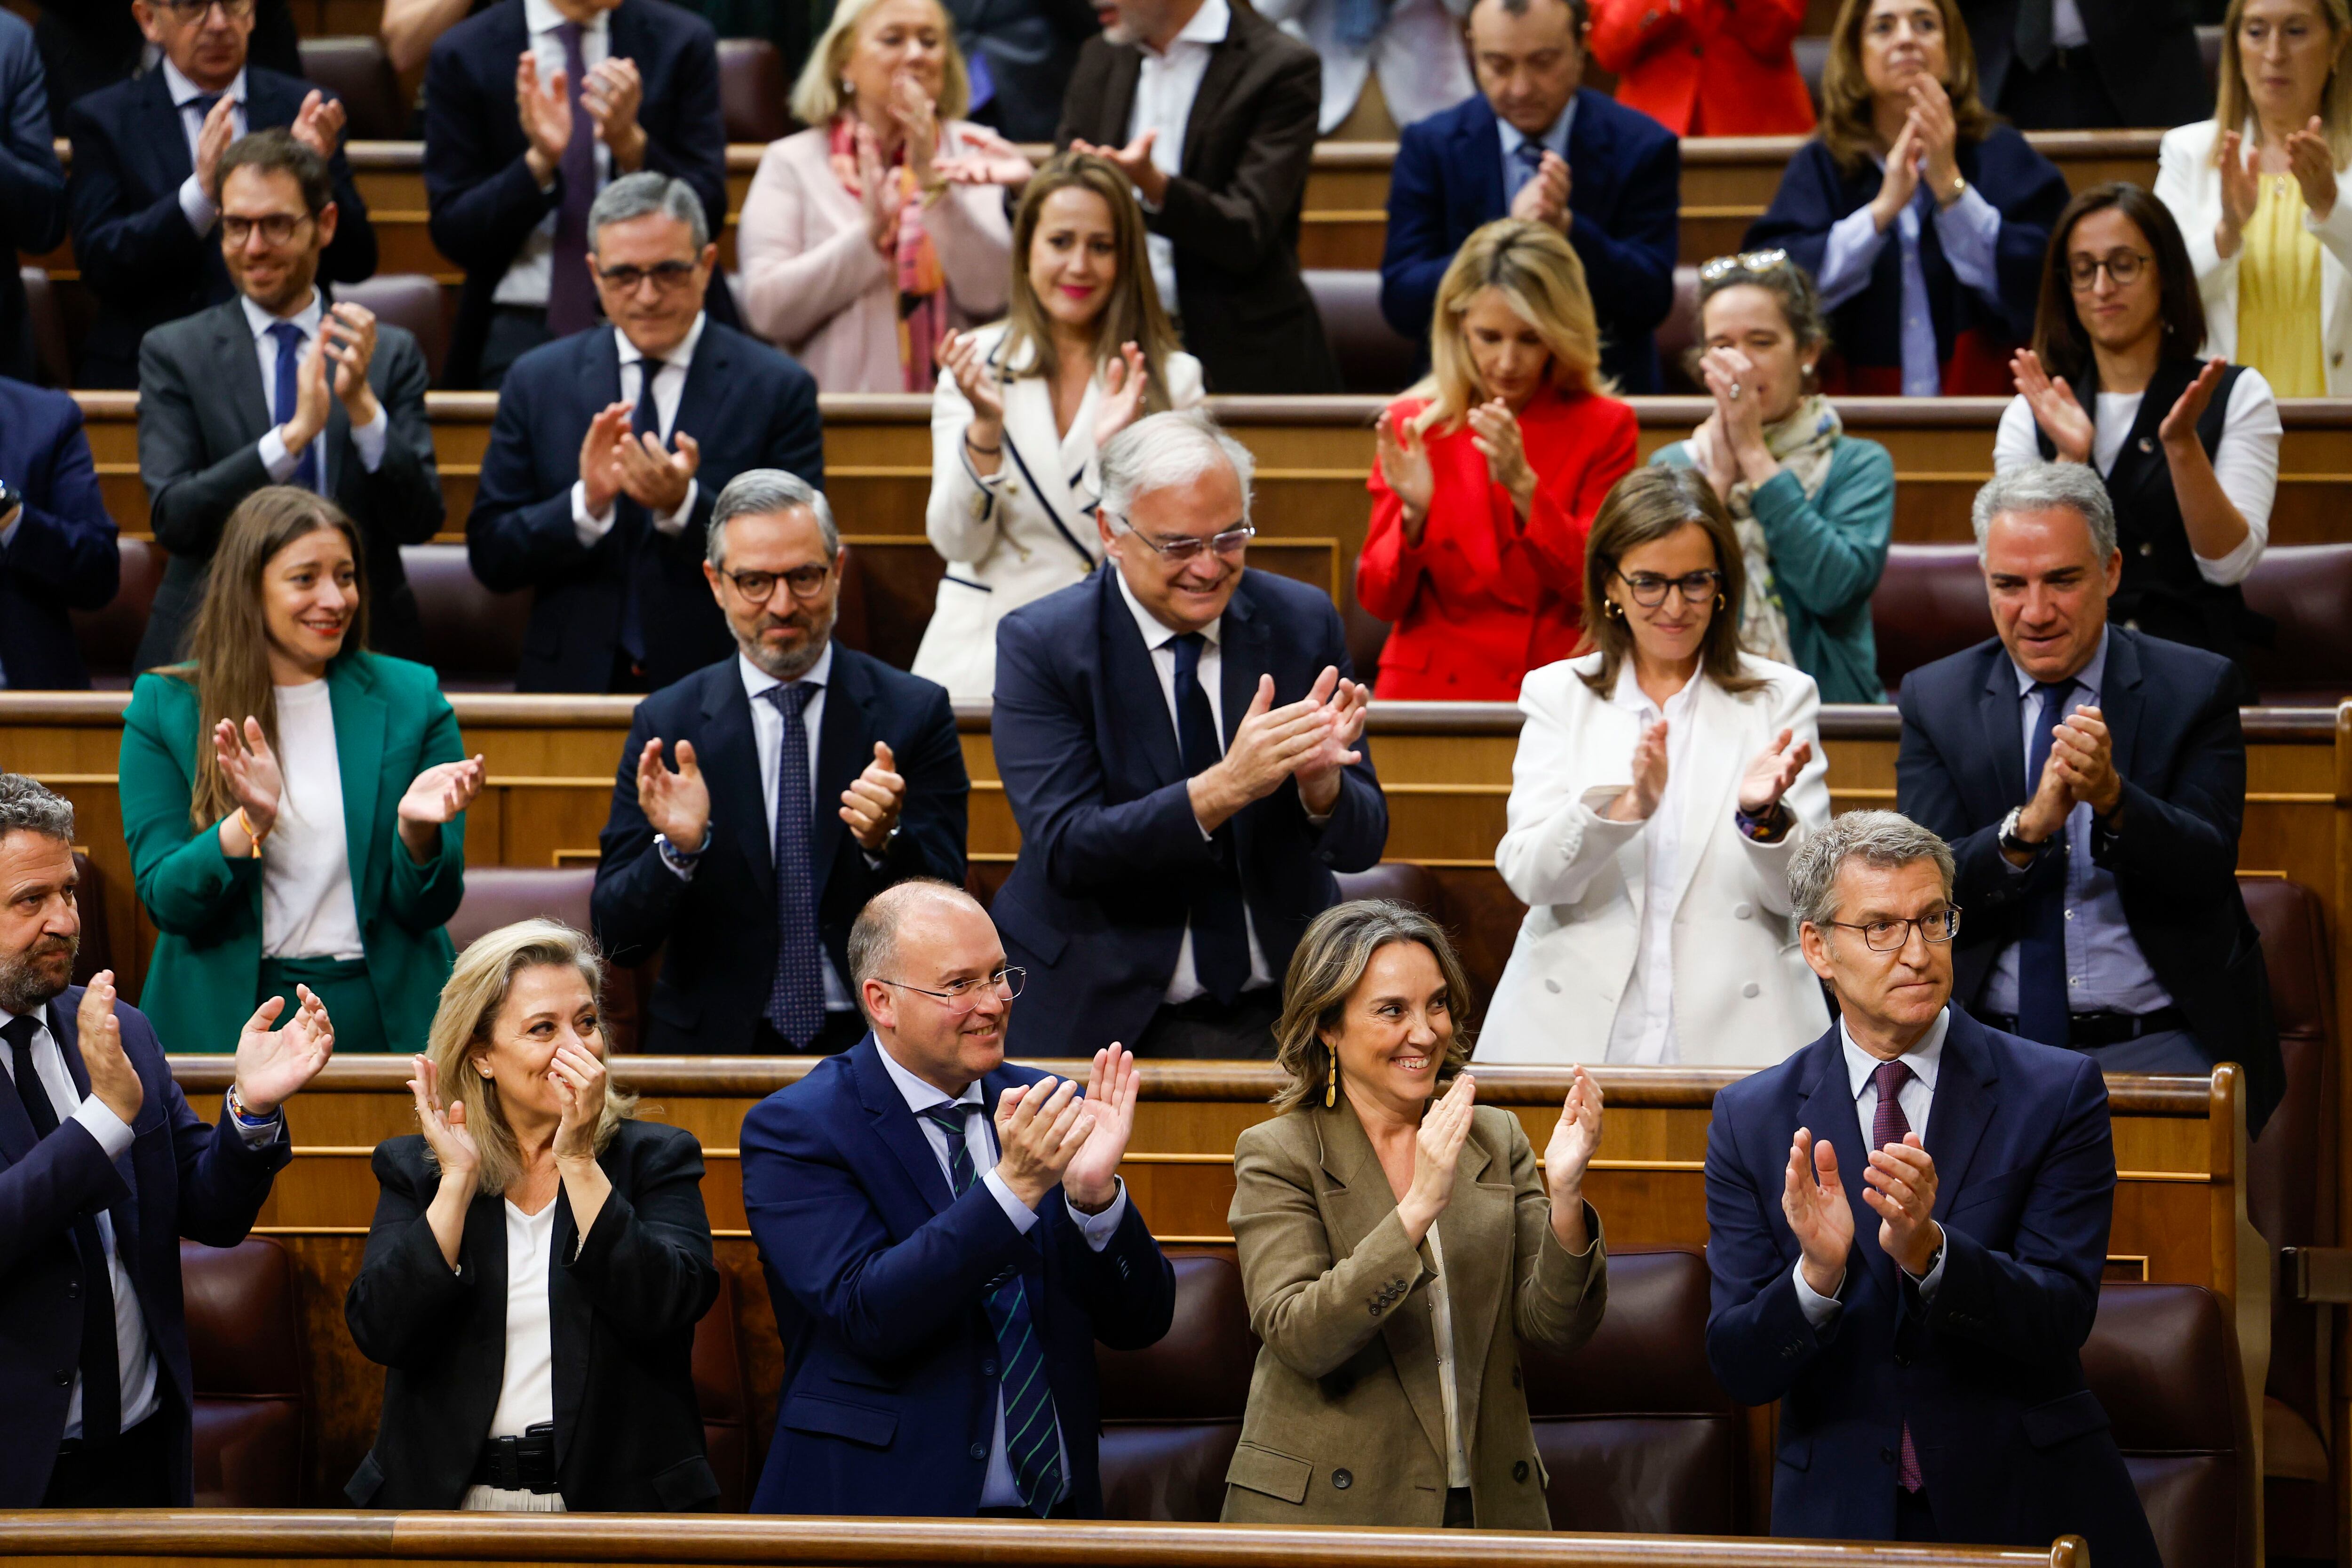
(290, 344)
(101, 1370)
(796, 996)
(570, 296)
(2042, 995)
(634, 540)
(2036, 34)
(1527, 161)
(1219, 929)
(1032, 1434)
(1889, 1125)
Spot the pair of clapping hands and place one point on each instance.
(2069, 427)
(611, 94)
(1770, 774)
(1445, 1127)
(617, 459)
(1312, 740)
(1405, 467)
(578, 1078)
(1125, 380)
(1047, 1134)
(1899, 1185)
(1926, 145)
(272, 1064)
(256, 781)
(677, 803)
(318, 125)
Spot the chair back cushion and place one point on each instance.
(411, 301)
(1374, 358)
(356, 69)
(1930, 603)
(245, 1348)
(475, 636)
(2303, 588)
(1173, 1413)
(725, 1399)
(752, 89)
(2164, 1363)
(109, 637)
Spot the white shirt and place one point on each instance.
(307, 907)
(1164, 88)
(1643, 1031)
(194, 205)
(1001, 1489)
(1161, 639)
(527, 1387)
(1916, 1098)
(1441, 1328)
(669, 385)
(2066, 29)
(2245, 461)
(527, 275)
(367, 439)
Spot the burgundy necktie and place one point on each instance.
(571, 297)
(1890, 1126)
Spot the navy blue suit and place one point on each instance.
(63, 555)
(32, 184)
(181, 1178)
(2172, 711)
(748, 405)
(1625, 197)
(878, 1276)
(1095, 907)
(132, 242)
(2013, 1444)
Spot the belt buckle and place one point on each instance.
(505, 1464)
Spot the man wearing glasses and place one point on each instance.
(761, 802)
(1182, 743)
(609, 445)
(1925, 1345)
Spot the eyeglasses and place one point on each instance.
(1649, 589)
(805, 582)
(185, 11)
(2123, 266)
(667, 275)
(1894, 936)
(1176, 552)
(964, 995)
(277, 228)
(1723, 267)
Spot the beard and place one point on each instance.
(1121, 33)
(789, 664)
(33, 979)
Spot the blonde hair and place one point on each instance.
(1537, 270)
(2233, 108)
(1329, 962)
(1848, 126)
(817, 96)
(470, 1002)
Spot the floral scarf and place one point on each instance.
(922, 284)
(1804, 442)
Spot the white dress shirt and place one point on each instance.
(367, 439)
(1441, 1328)
(1917, 1096)
(1968, 230)
(195, 205)
(1164, 90)
(669, 385)
(1001, 1489)
(308, 909)
(527, 277)
(527, 1380)
(1644, 1030)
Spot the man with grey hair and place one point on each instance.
(610, 443)
(802, 779)
(1182, 743)
(1926, 1354)
(2092, 780)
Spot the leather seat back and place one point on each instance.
(95, 950)
(245, 1348)
(411, 301)
(2164, 1361)
(52, 353)
(1678, 336)
(499, 896)
(725, 1399)
(1172, 1414)
(356, 69)
(475, 636)
(1374, 358)
(109, 637)
(1930, 602)
(2303, 588)
(751, 89)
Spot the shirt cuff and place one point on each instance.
(1098, 1228)
(256, 1133)
(1820, 1311)
(1024, 1217)
(1969, 230)
(197, 206)
(370, 438)
(591, 527)
(1853, 245)
(275, 458)
(673, 522)
(113, 1134)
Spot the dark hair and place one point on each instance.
(2058, 337)
(1849, 128)
(1645, 505)
(275, 151)
(1579, 14)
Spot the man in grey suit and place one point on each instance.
(280, 385)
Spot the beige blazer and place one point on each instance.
(1346, 1422)
(814, 285)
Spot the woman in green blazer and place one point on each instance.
(295, 805)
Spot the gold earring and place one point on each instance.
(1612, 609)
(1719, 602)
(1331, 1086)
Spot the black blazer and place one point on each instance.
(721, 927)
(481, 198)
(1234, 211)
(2173, 713)
(622, 1306)
(750, 406)
(65, 554)
(202, 412)
(132, 243)
(2143, 50)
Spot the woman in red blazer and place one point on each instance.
(1489, 474)
(1707, 68)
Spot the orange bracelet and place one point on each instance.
(247, 823)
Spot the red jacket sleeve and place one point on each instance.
(1552, 542)
(1623, 31)
(1766, 27)
(1389, 572)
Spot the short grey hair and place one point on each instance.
(27, 805)
(1885, 840)
(646, 191)
(1164, 450)
(873, 947)
(762, 492)
(2045, 486)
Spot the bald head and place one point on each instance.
(922, 954)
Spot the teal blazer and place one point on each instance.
(1827, 554)
(390, 725)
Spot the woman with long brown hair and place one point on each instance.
(294, 803)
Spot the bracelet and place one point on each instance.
(247, 1118)
(1762, 828)
(256, 838)
(972, 446)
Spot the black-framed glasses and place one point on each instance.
(2123, 268)
(1649, 589)
(194, 10)
(806, 583)
(667, 275)
(1229, 544)
(277, 228)
(1754, 261)
(964, 995)
(1893, 936)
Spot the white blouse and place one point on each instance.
(308, 909)
(1441, 1326)
(1644, 1030)
(526, 1386)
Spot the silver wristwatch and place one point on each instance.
(2007, 837)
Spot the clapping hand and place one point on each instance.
(962, 357)
(1544, 198)
(872, 803)
(1731, 380)
(2082, 753)
(1901, 182)
(1900, 1187)
(1575, 1138)
(1813, 1201)
(313, 398)
(878, 191)
(1436, 1155)
(1494, 431)
(1405, 469)
(677, 805)
(1346, 705)
(250, 768)
(1134, 161)
(1267, 745)
(2180, 426)
(1039, 1131)
(434, 798)
(2312, 164)
(1640, 798)
(1938, 135)
(349, 334)
(658, 479)
(919, 122)
(1772, 771)
(112, 1077)
(611, 94)
(272, 1064)
(318, 124)
(1125, 381)
(2054, 406)
(213, 138)
(545, 113)
(988, 159)
(600, 455)
(1091, 1179)
(2241, 193)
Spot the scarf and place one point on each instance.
(923, 285)
(1804, 443)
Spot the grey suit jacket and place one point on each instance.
(202, 412)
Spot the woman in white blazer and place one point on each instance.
(859, 249)
(1024, 404)
(1661, 786)
(2258, 201)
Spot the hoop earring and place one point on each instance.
(1612, 609)
(1718, 603)
(1331, 1085)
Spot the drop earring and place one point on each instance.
(1718, 603)
(1331, 1085)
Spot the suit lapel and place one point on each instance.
(2003, 732)
(1965, 1104)
(1481, 158)
(894, 1124)
(1118, 95)
(16, 1138)
(240, 370)
(1713, 778)
(731, 765)
(569, 1318)
(1477, 1232)
(1226, 62)
(1592, 146)
(2122, 702)
(167, 137)
(1241, 660)
(844, 744)
(1036, 449)
(360, 719)
(1829, 1110)
(1130, 675)
(707, 378)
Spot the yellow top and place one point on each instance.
(2279, 309)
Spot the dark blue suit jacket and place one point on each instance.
(63, 555)
(32, 184)
(748, 405)
(1624, 196)
(132, 243)
(877, 1277)
(181, 1178)
(2013, 1444)
(1094, 908)
(2172, 711)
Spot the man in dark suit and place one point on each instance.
(515, 155)
(58, 545)
(945, 1238)
(2092, 780)
(1210, 109)
(103, 1168)
(1532, 144)
(1179, 739)
(90, 44)
(2113, 65)
(740, 861)
(580, 498)
(32, 185)
(1927, 1365)
(144, 195)
(278, 386)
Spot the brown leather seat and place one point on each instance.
(2164, 1363)
(981, 879)
(409, 300)
(245, 1348)
(1367, 634)
(475, 637)
(1812, 56)
(2304, 588)
(1401, 880)
(109, 637)
(1172, 1414)
(1677, 335)
(52, 355)
(1930, 602)
(96, 949)
(357, 70)
(499, 896)
(752, 89)
(724, 1398)
(1374, 359)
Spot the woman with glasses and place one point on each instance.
(2189, 449)
(1813, 507)
(1025, 405)
(1663, 782)
(1488, 474)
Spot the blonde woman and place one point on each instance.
(857, 253)
(2256, 191)
(538, 1262)
(1379, 1180)
(1025, 405)
(1489, 472)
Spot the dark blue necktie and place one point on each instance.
(1529, 156)
(1219, 929)
(290, 344)
(571, 295)
(796, 993)
(1032, 1434)
(635, 541)
(2042, 995)
(101, 1370)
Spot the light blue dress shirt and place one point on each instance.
(1969, 231)
(1516, 170)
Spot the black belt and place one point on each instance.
(2091, 1030)
(519, 1463)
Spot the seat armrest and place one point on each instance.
(2319, 1275)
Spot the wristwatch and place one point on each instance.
(1960, 188)
(2011, 843)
